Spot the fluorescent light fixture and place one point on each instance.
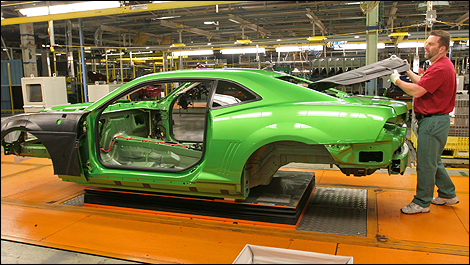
(242, 50)
(209, 43)
(234, 21)
(358, 46)
(419, 44)
(111, 54)
(356, 37)
(165, 17)
(208, 22)
(299, 48)
(192, 53)
(278, 40)
(60, 9)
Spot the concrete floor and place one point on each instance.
(23, 253)
(20, 253)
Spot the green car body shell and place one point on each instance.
(343, 124)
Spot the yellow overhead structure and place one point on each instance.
(316, 38)
(114, 11)
(243, 42)
(399, 35)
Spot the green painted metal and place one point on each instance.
(352, 129)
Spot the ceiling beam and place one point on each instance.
(461, 20)
(316, 20)
(114, 11)
(174, 25)
(121, 30)
(392, 14)
(248, 24)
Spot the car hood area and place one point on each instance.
(362, 74)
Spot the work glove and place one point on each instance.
(394, 77)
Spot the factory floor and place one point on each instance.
(38, 228)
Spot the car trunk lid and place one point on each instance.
(362, 74)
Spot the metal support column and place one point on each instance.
(180, 64)
(70, 66)
(28, 47)
(372, 38)
(165, 62)
(85, 87)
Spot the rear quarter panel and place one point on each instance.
(238, 131)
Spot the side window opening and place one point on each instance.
(228, 93)
(189, 112)
(134, 133)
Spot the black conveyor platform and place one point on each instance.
(280, 202)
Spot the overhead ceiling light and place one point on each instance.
(209, 22)
(413, 44)
(60, 9)
(242, 50)
(234, 21)
(358, 46)
(278, 40)
(165, 17)
(299, 48)
(356, 37)
(316, 38)
(192, 53)
(209, 43)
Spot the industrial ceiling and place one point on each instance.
(197, 23)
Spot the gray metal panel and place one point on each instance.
(368, 72)
(76, 201)
(16, 72)
(336, 211)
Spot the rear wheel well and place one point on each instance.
(263, 163)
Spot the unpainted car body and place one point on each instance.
(245, 125)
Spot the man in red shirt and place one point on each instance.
(434, 98)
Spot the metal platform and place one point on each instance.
(280, 202)
(336, 211)
(328, 210)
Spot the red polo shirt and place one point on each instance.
(440, 82)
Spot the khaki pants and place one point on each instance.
(432, 137)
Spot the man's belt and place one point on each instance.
(422, 116)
